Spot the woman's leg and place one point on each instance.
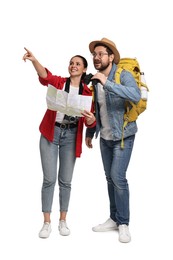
(49, 154)
(67, 160)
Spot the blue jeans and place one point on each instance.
(115, 162)
(63, 149)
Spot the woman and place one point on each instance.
(61, 138)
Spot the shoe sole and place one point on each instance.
(105, 229)
(125, 241)
(45, 236)
(62, 234)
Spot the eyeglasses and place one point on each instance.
(98, 54)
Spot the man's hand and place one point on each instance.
(100, 76)
(88, 142)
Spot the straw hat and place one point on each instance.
(111, 46)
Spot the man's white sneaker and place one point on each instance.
(106, 226)
(45, 231)
(124, 234)
(63, 229)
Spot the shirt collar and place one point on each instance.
(112, 72)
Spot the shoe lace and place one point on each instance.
(46, 226)
(63, 224)
(124, 229)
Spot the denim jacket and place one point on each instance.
(116, 95)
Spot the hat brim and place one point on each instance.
(113, 49)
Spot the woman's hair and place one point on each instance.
(85, 63)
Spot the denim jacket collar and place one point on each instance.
(112, 72)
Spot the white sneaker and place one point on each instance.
(63, 229)
(106, 226)
(124, 234)
(45, 231)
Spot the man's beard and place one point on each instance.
(103, 67)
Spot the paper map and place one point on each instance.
(67, 103)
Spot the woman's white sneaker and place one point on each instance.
(124, 234)
(45, 231)
(108, 225)
(63, 229)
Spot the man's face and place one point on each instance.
(101, 58)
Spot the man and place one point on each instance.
(110, 99)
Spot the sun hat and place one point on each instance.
(109, 44)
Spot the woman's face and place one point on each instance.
(76, 67)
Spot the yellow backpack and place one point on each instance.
(132, 110)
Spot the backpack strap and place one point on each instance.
(117, 75)
(67, 86)
(118, 81)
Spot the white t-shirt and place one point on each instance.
(105, 131)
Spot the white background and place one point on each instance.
(54, 31)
